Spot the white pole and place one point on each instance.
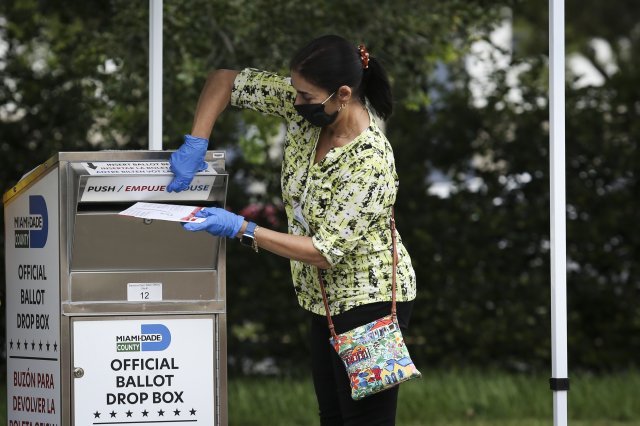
(155, 75)
(560, 374)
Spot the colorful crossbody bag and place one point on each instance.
(374, 354)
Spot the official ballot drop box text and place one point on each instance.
(113, 319)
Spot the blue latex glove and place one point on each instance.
(186, 162)
(220, 222)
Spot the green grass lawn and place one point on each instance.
(466, 398)
(453, 399)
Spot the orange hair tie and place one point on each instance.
(364, 56)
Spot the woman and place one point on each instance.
(339, 184)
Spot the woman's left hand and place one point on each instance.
(219, 222)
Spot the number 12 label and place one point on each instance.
(144, 292)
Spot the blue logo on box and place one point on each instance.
(152, 338)
(32, 231)
(155, 330)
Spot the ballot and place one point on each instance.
(159, 211)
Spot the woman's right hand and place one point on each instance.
(186, 162)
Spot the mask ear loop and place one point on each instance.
(342, 106)
(323, 102)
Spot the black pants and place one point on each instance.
(330, 377)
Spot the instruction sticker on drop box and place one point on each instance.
(106, 168)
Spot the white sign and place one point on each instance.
(134, 168)
(144, 371)
(170, 212)
(143, 188)
(144, 292)
(33, 305)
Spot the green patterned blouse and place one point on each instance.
(344, 202)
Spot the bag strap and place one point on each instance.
(393, 280)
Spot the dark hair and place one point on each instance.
(331, 61)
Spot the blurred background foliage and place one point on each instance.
(472, 154)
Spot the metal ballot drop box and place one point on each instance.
(113, 319)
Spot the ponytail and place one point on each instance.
(376, 89)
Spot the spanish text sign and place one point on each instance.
(33, 305)
(144, 371)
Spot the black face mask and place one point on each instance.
(315, 114)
